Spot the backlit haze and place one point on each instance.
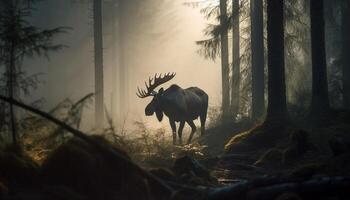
(162, 39)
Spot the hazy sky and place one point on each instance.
(167, 45)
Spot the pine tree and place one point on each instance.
(235, 83)
(257, 48)
(277, 108)
(98, 57)
(19, 39)
(320, 99)
(345, 26)
(224, 60)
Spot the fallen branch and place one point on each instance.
(265, 189)
(108, 151)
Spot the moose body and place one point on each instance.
(179, 105)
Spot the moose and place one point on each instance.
(179, 105)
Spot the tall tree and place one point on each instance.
(224, 60)
(320, 99)
(98, 58)
(257, 48)
(235, 82)
(113, 5)
(115, 58)
(345, 26)
(277, 108)
(19, 39)
(123, 74)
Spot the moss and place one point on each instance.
(260, 137)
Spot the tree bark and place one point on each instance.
(11, 82)
(345, 53)
(257, 46)
(11, 69)
(115, 57)
(277, 108)
(320, 99)
(98, 51)
(224, 61)
(123, 92)
(236, 74)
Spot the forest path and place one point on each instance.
(228, 168)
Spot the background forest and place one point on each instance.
(276, 73)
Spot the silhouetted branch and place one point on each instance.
(267, 188)
(107, 151)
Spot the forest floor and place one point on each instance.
(259, 161)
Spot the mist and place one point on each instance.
(253, 101)
(160, 38)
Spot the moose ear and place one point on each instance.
(160, 91)
(159, 114)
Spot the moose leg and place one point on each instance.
(181, 127)
(193, 127)
(203, 118)
(173, 128)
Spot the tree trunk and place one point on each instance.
(277, 108)
(11, 69)
(123, 92)
(345, 53)
(320, 100)
(224, 61)
(115, 58)
(330, 29)
(236, 74)
(11, 82)
(98, 51)
(257, 46)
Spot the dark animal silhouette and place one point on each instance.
(179, 105)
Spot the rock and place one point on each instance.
(188, 165)
(187, 168)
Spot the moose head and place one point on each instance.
(155, 104)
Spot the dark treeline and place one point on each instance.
(305, 44)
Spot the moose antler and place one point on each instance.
(158, 80)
